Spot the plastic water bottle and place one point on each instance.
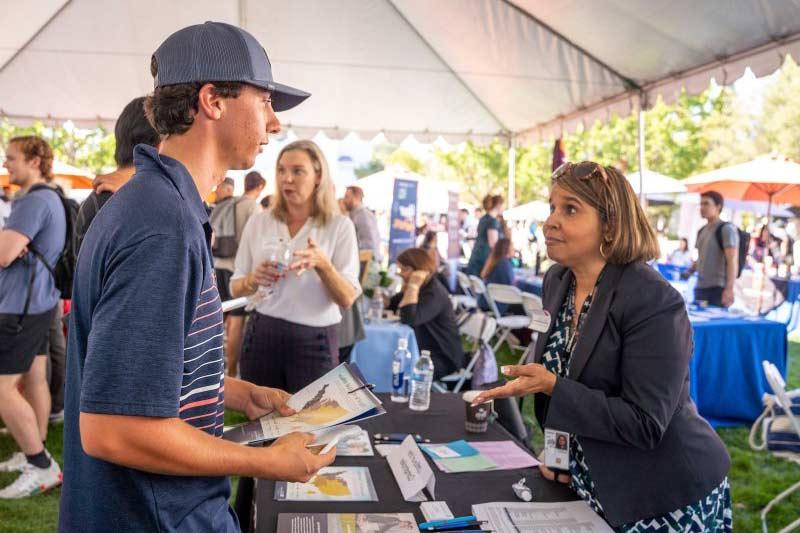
(401, 363)
(421, 383)
(376, 307)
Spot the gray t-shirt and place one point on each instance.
(366, 230)
(710, 257)
(39, 216)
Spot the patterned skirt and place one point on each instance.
(713, 513)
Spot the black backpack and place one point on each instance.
(744, 244)
(63, 271)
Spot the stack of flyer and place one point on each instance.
(339, 397)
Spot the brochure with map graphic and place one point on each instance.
(338, 397)
(331, 484)
(347, 523)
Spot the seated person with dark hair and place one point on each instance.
(498, 269)
(424, 304)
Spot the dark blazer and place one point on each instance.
(626, 396)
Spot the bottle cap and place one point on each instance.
(425, 353)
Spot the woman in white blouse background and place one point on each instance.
(291, 338)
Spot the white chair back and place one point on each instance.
(479, 288)
(505, 294)
(463, 282)
(479, 326)
(531, 303)
(477, 285)
(778, 386)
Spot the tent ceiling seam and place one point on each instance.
(629, 82)
(446, 64)
(34, 36)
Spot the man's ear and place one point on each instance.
(209, 103)
(35, 162)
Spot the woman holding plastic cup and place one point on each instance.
(611, 368)
(301, 258)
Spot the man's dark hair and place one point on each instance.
(715, 197)
(132, 128)
(253, 180)
(171, 109)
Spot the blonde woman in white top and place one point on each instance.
(291, 338)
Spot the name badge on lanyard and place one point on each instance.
(556, 449)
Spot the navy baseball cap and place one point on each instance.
(216, 51)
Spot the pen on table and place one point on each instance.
(470, 531)
(453, 527)
(449, 522)
(398, 437)
(369, 386)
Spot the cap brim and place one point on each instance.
(283, 96)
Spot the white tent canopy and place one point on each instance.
(655, 183)
(536, 210)
(459, 69)
(432, 195)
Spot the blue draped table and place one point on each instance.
(671, 272)
(727, 380)
(790, 288)
(374, 353)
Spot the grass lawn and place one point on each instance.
(755, 477)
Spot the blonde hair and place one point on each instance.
(323, 199)
(627, 234)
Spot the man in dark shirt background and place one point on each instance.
(132, 128)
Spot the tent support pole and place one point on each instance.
(642, 103)
(512, 171)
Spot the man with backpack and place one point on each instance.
(31, 246)
(228, 219)
(718, 249)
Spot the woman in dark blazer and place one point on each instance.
(612, 369)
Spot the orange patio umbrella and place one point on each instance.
(771, 179)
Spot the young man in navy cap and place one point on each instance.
(145, 389)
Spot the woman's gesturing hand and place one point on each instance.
(311, 257)
(530, 379)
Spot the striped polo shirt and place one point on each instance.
(202, 400)
(145, 340)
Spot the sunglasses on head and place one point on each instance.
(583, 171)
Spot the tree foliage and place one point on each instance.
(92, 150)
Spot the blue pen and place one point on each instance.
(454, 527)
(447, 522)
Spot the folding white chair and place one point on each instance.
(531, 303)
(783, 399)
(465, 303)
(510, 295)
(479, 328)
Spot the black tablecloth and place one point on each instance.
(443, 422)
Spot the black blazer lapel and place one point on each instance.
(595, 321)
(554, 296)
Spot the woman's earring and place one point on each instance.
(602, 253)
